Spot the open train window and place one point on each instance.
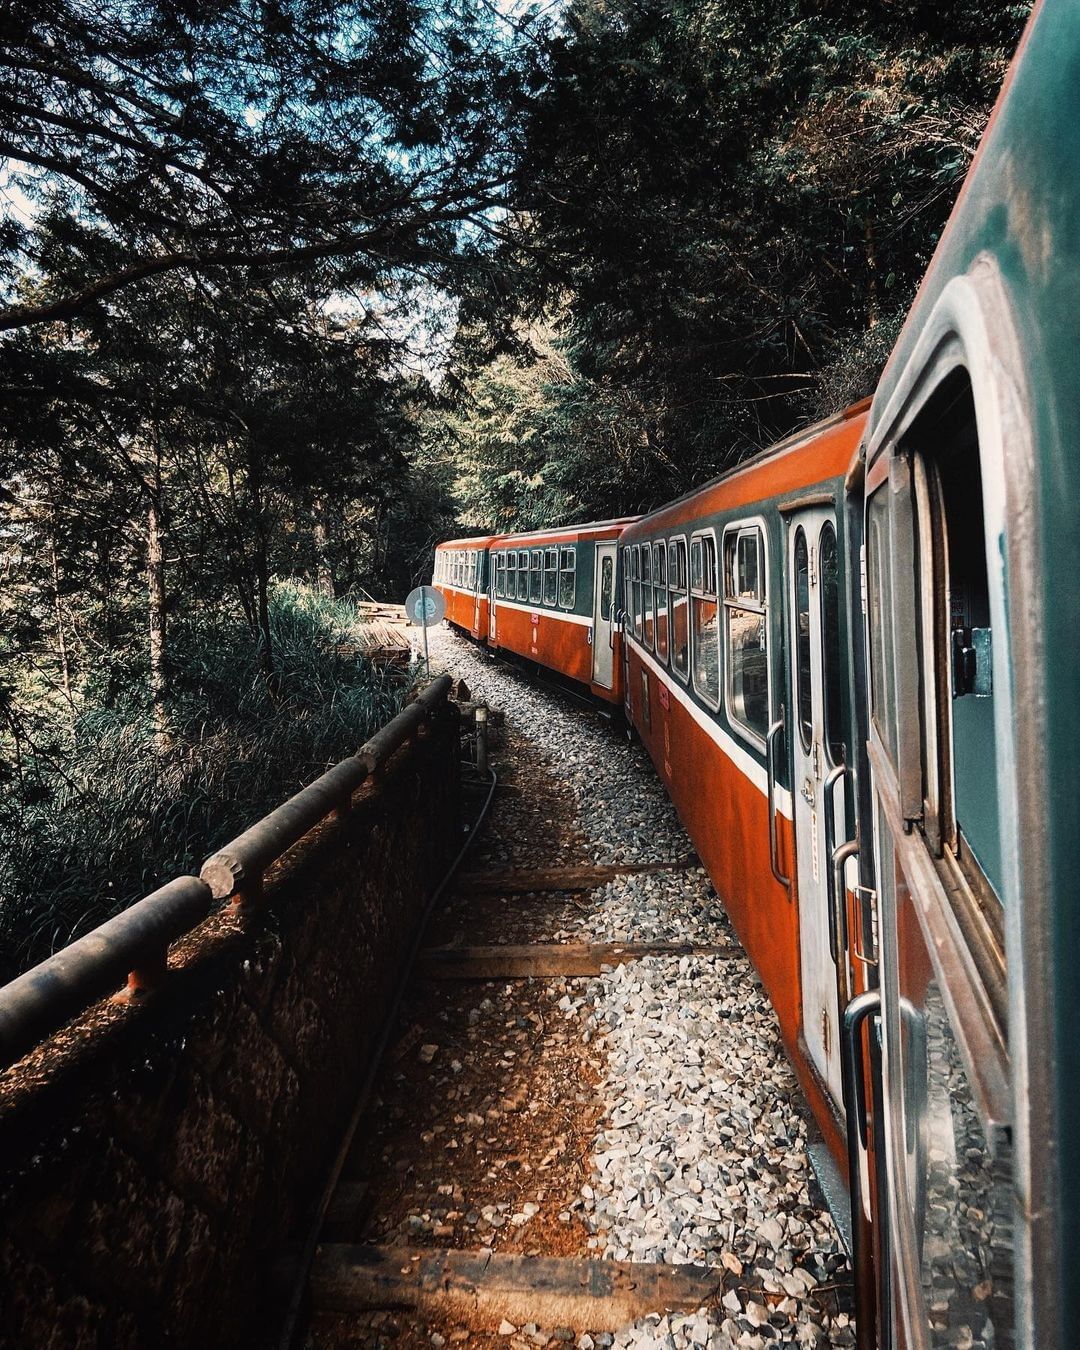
(659, 562)
(959, 743)
(551, 576)
(536, 576)
(679, 605)
(567, 577)
(746, 631)
(704, 617)
(646, 596)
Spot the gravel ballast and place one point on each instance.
(701, 1152)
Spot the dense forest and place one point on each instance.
(290, 288)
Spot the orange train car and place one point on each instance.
(553, 599)
(736, 679)
(461, 575)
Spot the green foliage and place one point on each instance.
(728, 205)
(86, 832)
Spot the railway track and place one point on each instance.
(585, 1129)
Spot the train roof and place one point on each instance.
(555, 532)
(835, 440)
(473, 541)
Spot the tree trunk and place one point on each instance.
(871, 275)
(324, 572)
(155, 585)
(63, 657)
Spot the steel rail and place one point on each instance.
(133, 945)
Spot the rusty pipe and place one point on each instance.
(42, 1000)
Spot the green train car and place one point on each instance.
(963, 1065)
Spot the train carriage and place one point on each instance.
(735, 627)
(461, 575)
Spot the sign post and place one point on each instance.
(425, 606)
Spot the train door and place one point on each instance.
(945, 808)
(817, 746)
(603, 633)
(496, 583)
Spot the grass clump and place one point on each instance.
(117, 815)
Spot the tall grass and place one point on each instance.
(121, 816)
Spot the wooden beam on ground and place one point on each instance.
(550, 959)
(520, 881)
(484, 1288)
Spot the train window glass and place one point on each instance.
(879, 620)
(660, 588)
(959, 751)
(628, 599)
(746, 630)
(804, 694)
(536, 576)
(705, 617)
(679, 604)
(829, 568)
(551, 576)
(646, 595)
(635, 579)
(523, 574)
(567, 577)
(607, 586)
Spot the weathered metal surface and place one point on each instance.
(551, 959)
(485, 1288)
(237, 868)
(43, 999)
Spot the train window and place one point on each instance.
(804, 694)
(659, 562)
(607, 586)
(829, 567)
(551, 576)
(959, 743)
(746, 630)
(523, 574)
(705, 617)
(567, 577)
(646, 595)
(635, 586)
(536, 577)
(879, 619)
(628, 599)
(680, 626)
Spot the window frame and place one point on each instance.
(635, 591)
(674, 541)
(735, 528)
(551, 574)
(648, 613)
(564, 571)
(660, 598)
(536, 576)
(700, 537)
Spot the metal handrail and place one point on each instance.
(134, 944)
(770, 793)
(126, 947)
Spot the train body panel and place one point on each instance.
(707, 676)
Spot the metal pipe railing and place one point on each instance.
(133, 946)
(125, 947)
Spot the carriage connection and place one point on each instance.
(855, 663)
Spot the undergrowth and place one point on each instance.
(116, 816)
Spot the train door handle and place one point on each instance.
(856, 1014)
(770, 774)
